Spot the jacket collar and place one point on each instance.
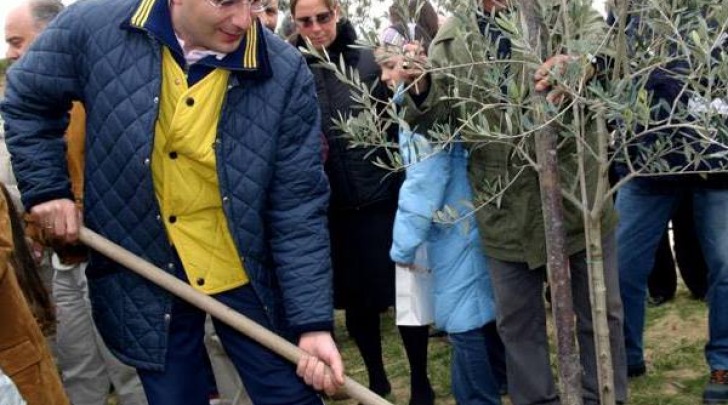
(250, 60)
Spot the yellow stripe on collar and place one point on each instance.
(250, 59)
(141, 15)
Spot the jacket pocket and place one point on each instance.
(21, 363)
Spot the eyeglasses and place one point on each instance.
(256, 6)
(320, 18)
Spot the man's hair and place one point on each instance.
(43, 11)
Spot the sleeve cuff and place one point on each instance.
(327, 326)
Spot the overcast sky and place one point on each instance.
(6, 5)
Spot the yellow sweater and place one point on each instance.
(186, 182)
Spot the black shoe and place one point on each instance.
(426, 398)
(381, 388)
(659, 300)
(436, 333)
(636, 370)
(716, 392)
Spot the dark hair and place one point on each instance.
(26, 271)
(43, 11)
(422, 13)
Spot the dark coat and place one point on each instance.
(667, 87)
(268, 154)
(355, 180)
(363, 196)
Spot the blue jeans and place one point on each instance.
(644, 213)
(473, 382)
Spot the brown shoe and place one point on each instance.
(716, 392)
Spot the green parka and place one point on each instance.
(511, 223)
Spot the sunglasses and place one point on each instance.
(320, 19)
(256, 6)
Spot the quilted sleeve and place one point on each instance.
(298, 201)
(40, 87)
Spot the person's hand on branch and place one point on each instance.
(413, 68)
(544, 79)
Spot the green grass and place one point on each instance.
(674, 340)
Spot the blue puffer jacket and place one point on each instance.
(437, 178)
(268, 152)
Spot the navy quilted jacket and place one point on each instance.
(268, 150)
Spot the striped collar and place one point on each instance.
(250, 60)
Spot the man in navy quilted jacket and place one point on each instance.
(203, 157)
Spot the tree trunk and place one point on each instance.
(557, 260)
(597, 286)
(595, 261)
(558, 268)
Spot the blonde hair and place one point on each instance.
(330, 4)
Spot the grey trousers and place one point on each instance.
(88, 369)
(521, 320)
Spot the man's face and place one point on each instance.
(19, 32)
(269, 16)
(216, 25)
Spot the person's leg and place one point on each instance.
(585, 327)
(711, 221)
(269, 379)
(643, 215)
(521, 318)
(229, 386)
(415, 339)
(179, 382)
(662, 282)
(125, 380)
(473, 382)
(363, 325)
(496, 356)
(688, 253)
(88, 366)
(82, 366)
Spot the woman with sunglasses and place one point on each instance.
(363, 200)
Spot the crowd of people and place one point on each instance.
(194, 136)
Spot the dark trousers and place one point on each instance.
(521, 317)
(662, 282)
(268, 378)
